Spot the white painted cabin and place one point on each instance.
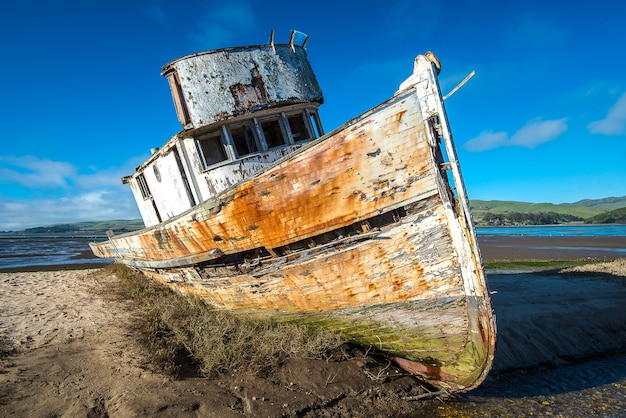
(241, 110)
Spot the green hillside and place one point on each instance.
(490, 212)
(606, 204)
(480, 207)
(118, 226)
(617, 216)
(583, 208)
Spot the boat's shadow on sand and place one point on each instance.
(557, 332)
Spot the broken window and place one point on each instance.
(298, 127)
(243, 138)
(272, 132)
(211, 148)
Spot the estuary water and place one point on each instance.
(38, 250)
(555, 231)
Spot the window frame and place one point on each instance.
(228, 150)
(206, 138)
(250, 142)
(281, 125)
(142, 184)
(303, 117)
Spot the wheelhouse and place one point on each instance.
(241, 109)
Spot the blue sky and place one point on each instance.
(83, 101)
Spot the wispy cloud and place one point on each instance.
(30, 172)
(536, 132)
(223, 23)
(18, 214)
(62, 194)
(615, 121)
(486, 140)
(531, 135)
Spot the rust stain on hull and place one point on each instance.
(293, 201)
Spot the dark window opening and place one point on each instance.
(243, 139)
(298, 127)
(212, 149)
(143, 186)
(272, 132)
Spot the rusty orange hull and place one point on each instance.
(366, 231)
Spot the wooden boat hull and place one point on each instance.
(391, 290)
(366, 231)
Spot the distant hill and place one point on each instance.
(606, 204)
(617, 216)
(486, 212)
(119, 226)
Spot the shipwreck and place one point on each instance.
(365, 230)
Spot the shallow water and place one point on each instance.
(47, 250)
(561, 349)
(595, 387)
(555, 231)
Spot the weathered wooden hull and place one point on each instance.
(400, 290)
(359, 231)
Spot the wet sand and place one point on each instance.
(66, 349)
(550, 248)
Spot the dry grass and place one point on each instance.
(538, 265)
(616, 267)
(177, 328)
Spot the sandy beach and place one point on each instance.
(67, 349)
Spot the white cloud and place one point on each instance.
(615, 121)
(61, 194)
(531, 135)
(18, 214)
(486, 140)
(536, 132)
(32, 172)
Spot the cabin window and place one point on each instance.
(272, 132)
(315, 124)
(244, 139)
(211, 148)
(143, 186)
(297, 124)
